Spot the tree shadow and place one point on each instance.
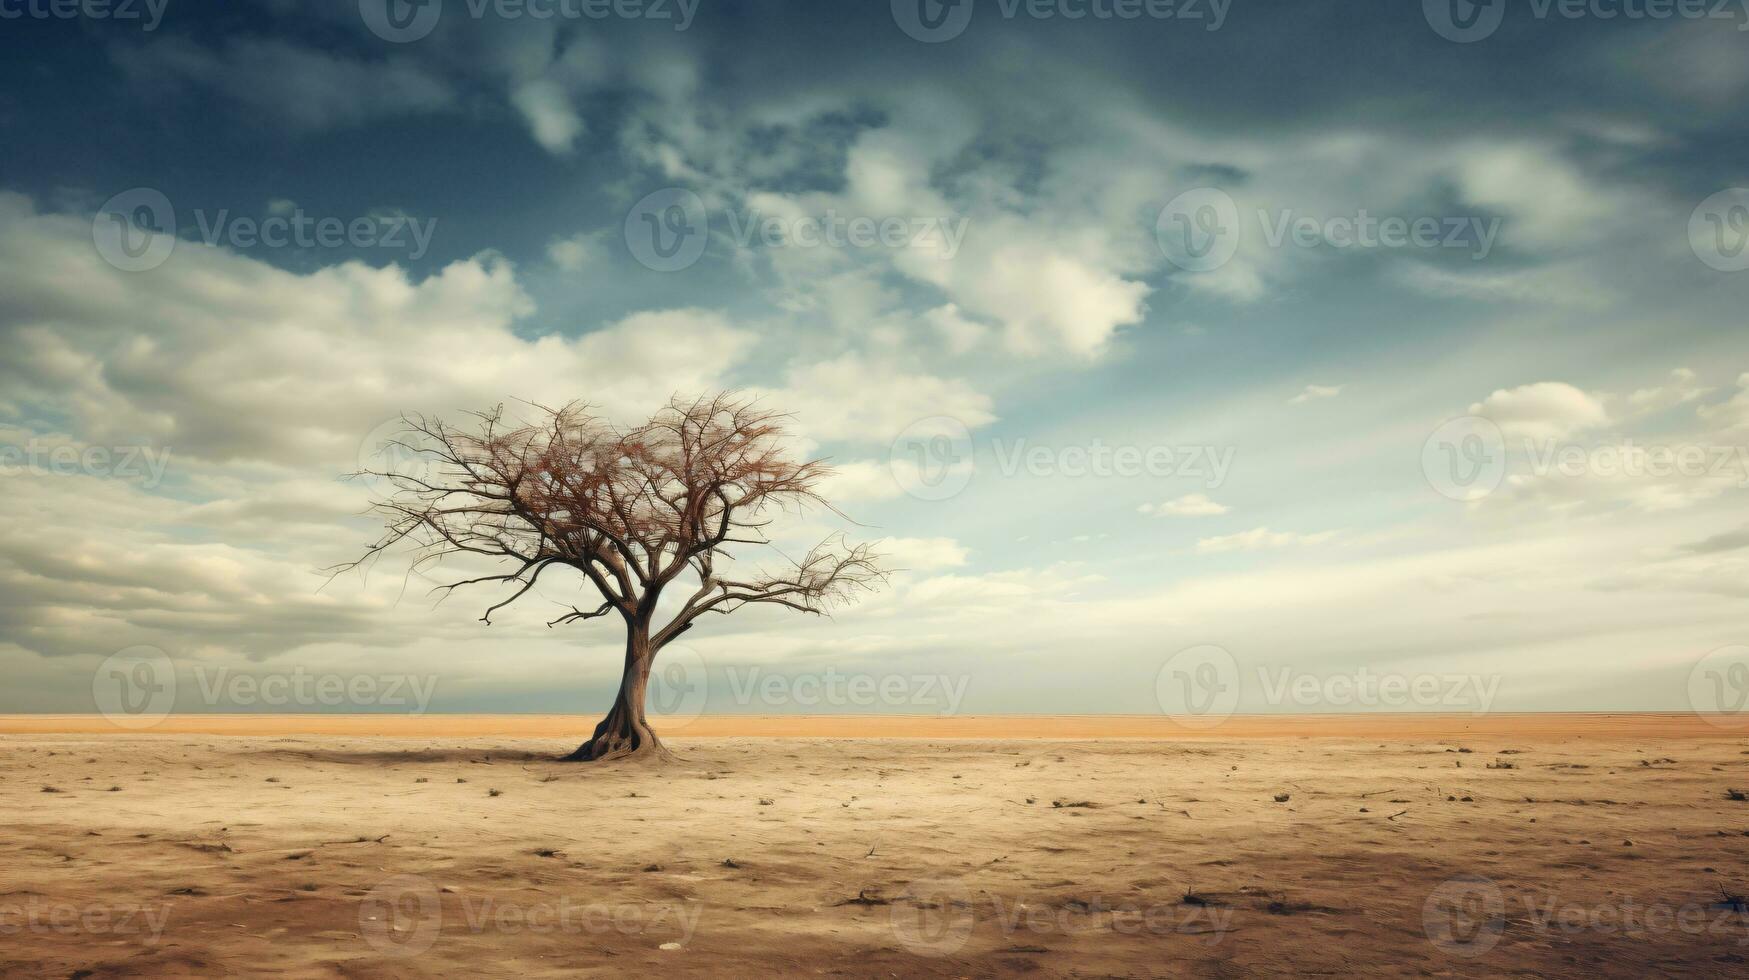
(423, 755)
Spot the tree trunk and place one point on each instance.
(626, 732)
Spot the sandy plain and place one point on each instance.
(363, 846)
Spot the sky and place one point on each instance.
(1187, 357)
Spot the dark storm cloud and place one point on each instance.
(1270, 67)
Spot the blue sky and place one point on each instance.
(1574, 302)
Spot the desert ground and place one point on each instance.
(1572, 845)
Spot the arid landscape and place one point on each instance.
(1544, 845)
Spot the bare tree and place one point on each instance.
(635, 511)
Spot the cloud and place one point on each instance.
(1682, 389)
(960, 334)
(861, 480)
(999, 590)
(1542, 411)
(293, 85)
(263, 387)
(1717, 543)
(1648, 478)
(1547, 200)
(1572, 284)
(1046, 297)
(1238, 281)
(1692, 60)
(264, 382)
(858, 398)
(95, 565)
(1316, 391)
(221, 357)
(1733, 415)
(1189, 505)
(921, 554)
(1645, 464)
(551, 117)
(1061, 286)
(652, 355)
(1260, 538)
(576, 253)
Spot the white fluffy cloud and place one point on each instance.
(1051, 285)
(222, 357)
(1043, 288)
(1673, 449)
(1542, 411)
